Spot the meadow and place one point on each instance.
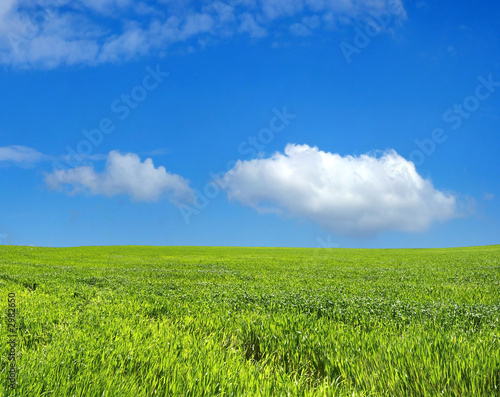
(214, 321)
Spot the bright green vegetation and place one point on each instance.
(188, 321)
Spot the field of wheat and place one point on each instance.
(194, 321)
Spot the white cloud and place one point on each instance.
(248, 25)
(195, 24)
(312, 22)
(280, 8)
(49, 33)
(5, 7)
(123, 174)
(348, 195)
(299, 29)
(304, 28)
(21, 155)
(53, 51)
(106, 6)
(133, 42)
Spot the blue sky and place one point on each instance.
(250, 123)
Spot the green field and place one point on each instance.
(193, 321)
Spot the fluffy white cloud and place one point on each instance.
(123, 174)
(49, 33)
(21, 155)
(348, 195)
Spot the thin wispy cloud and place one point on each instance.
(489, 196)
(49, 33)
(21, 155)
(348, 195)
(24, 156)
(123, 174)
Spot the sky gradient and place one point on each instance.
(250, 123)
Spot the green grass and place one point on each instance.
(192, 321)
